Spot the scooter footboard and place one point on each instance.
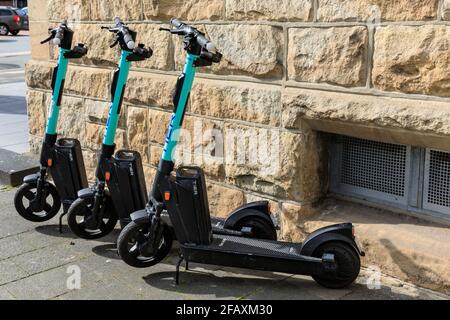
(127, 184)
(67, 170)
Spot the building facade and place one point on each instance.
(14, 3)
(349, 98)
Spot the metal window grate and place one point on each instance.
(374, 165)
(437, 180)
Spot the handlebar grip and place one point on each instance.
(128, 39)
(176, 23)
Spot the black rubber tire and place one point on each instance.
(261, 228)
(6, 27)
(25, 192)
(15, 32)
(347, 261)
(128, 236)
(83, 207)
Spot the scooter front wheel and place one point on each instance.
(347, 262)
(24, 201)
(133, 247)
(82, 222)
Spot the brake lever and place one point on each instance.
(47, 40)
(115, 43)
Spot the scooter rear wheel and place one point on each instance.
(132, 241)
(27, 193)
(81, 211)
(347, 261)
(261, 229)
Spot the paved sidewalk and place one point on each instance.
(13, 117)
(34, 260)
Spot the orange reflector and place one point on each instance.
(50, 162)
(107, 175)
(167, 195)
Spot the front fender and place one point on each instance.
(87, 193)
(258, 209)
(140, 217)
(32, 178)
(338, 232)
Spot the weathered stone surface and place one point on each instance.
(446, 10)
(334, 55)
(272, 10)
(97, 111)
(37, 10)
(248, 102)
(150, 89)
(90, 163)
(70, 10)
(39, 74)
(107, 10)
(38, 32)
(155, 155)
(394, 120)
(159, 42)
(97, 41)
(412, 59)
(293, 217)
(35, 144)
(184, 9)
(158, 124)
(72, 122)
(364, 10)
(137, 131)
(262, 58)
(89, 82)
(149, 174)
(278, 163)
(94, 133)
(223, 200)
(37, 110)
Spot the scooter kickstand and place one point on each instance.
(60, 222)
(177, 276)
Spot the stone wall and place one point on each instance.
(370, 68)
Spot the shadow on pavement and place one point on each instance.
(53, 231)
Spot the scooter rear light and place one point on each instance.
(16, 19)
(107, 175)
(50, 163)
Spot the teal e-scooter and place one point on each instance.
(38, 199)
(330, 254)
(120, 184)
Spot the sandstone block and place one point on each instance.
(189, 10)
(335, 55)
(93, 137)
(72, 120)
(97, 111)
(150, 89)
(269, 10)
(249, 102)
(446, 10)
(90, 82)
(107, 10)
(137, 131)
(37, 109)
(412, 59)
(293, 217)
(70, 10)
(370, 10)
(39, 74)
(223, 200)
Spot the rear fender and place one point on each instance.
(258, 209)
(339, 232)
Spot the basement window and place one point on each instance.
(411, 178)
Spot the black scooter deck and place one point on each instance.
(257, 254)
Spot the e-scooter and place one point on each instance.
(96, 211)
(38, 200)
(330, 255)
(252, 220)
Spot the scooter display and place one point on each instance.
(39, 200)
(330, 255)
(120, 185)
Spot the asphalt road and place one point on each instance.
(14, 54)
